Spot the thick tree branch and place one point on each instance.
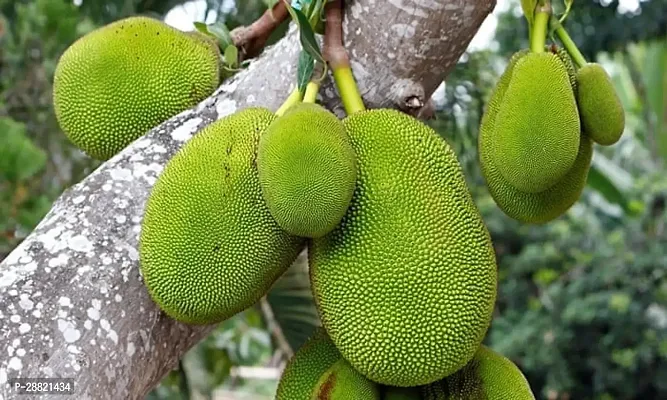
(72, 303)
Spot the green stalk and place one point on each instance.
(538, 36)
(569, 44)
(338, 59)
(311, 92)
(349, 92)
(292, 99)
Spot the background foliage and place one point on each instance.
(582, 301)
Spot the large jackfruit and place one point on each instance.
(209, 247)
(406, 284)
(317, 372)
(602, 114)
(488, 376)
(528, 207)
(115, 83)
(401, 393)
(307, 170)
(537, 129)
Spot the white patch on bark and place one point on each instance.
(185, 131)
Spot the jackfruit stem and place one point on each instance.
(337, 57)
(538, 35)
(349, 92)
(292, 99)
(311, 92)
(313, 87)
(568, 43)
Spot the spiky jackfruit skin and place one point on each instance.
(537, 129)
(115, 83)
(317, 371)
(565, 58)
(406, 284)
(401, 393)
(488, 376)
(209, 248)
(307, 170)
(602, 114)
(342, 382)
(528, 207)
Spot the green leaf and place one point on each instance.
(231, 56)
(20, 158)
(605, 181)
(306, 34)
(655, 81)
(292, 303)
(221, 32)
(315, 12)
(304, 70)
(528, 7)
(202, 27)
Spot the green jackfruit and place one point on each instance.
(528, 207)
(115, 83)
(317, 372)
(406, 284)
(565, 58)
(307, 170)
(342, 382)
(488, 376)
(209, 247)
(401, 393)
(602, 114)
(537, 129)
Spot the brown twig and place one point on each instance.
(333, 50)
(274, 328)
(251, 39)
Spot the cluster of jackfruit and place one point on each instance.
(402, 266)
(318, 371)
(536, 136)
(115, 83)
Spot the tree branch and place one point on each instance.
(72, 303)
(251, 39)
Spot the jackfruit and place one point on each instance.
(209, 247)
(115, 83)
(342, 382)
(602, 114)
(307, 170)
(537, 129)
(528, 207)
(405, 285)
(401, 393)
(317, 372)
(488, 376)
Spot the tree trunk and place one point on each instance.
(72, 303)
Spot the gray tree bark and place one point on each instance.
(72, 302)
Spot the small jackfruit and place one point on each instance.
(405, 285)
(488, 376)
(115, 83)
(209, 247)
(317, 372)
(537, 129)
(307, 170)
(602, 114)
(528, 207)
(565, 58)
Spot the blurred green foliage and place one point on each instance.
(582, 305)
